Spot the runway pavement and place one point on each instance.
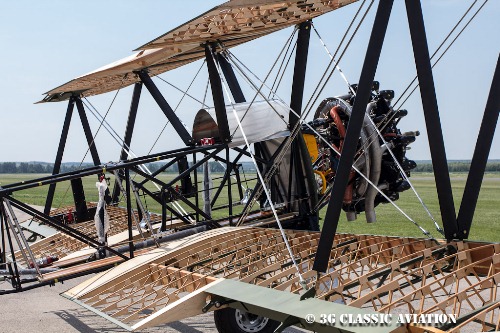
(44, 310)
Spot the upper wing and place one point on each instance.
(232, 23)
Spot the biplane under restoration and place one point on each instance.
(265, 265)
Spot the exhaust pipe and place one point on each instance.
(375, 167)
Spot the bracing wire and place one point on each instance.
(177, 106)
(318, 90)
(282, 70)
(440, 46)
(206, 92)
(127, 149)
(182, 91)
(388, 118)
(267, 75)
(402, 172)
(92, 142)
(266, 190)
(302, 121)
(341, 72)
(142, 167)
(104, 123)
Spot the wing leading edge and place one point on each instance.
(232, 23)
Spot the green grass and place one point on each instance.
(63, 195)
(485, 227)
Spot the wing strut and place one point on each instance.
(351, 141)
(165, 107)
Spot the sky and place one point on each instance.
(45, 44)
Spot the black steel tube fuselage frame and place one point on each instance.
(47, 180)
(229, 166)
(127, 165)
(165, 207)
(161, 169)
(168, 187)
(198, 163)
(60, 226)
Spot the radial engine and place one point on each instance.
(381, 153)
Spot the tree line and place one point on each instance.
(13, 167)
(457, 167)
(42, 167)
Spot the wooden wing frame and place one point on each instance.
(232, 23)
(386, 274)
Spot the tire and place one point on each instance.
(230, 320)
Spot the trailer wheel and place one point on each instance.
(236, 321)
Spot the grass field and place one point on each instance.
(486, 225)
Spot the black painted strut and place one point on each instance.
(217, 95)
(129, 213)
(299, 71)
(165, 107)
(432, 120)
(88, 132)
(61, 227)
(231, 79)
(60, 152)
(352, 135)
(128, 132)
(480, 157)
(11, 188)
(301, 167)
